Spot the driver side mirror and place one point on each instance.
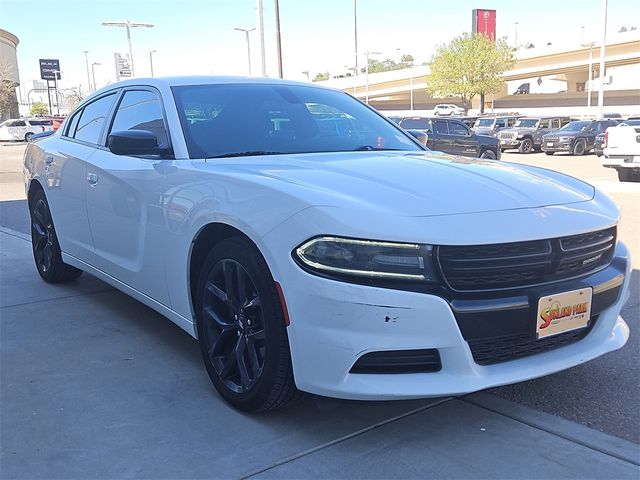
(134, 142)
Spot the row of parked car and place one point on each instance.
(489, 136)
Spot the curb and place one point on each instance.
(608, 444)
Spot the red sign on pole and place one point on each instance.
(484, 22)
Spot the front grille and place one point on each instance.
(507, 135)
(399, 361)
(521, 264)
(489, 351)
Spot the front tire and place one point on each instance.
(526, 145)
(28, 136)
(241, 329)
(579, 148)
(45, 246)
(488, 154)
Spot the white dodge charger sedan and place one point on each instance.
(312, 245)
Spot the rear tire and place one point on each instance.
(241, 329)
(45, 246)
(549, 153)
(579, 148)
(526, 146)
(27, 136)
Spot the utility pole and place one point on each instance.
(260, 13)
(602, 53)
(86, 59)
(278, 39)
(355, 33)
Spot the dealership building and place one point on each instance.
(9, 66)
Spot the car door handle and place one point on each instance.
(48, 160)
(92, 178)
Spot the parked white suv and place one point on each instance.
(447, 109)
(622, 150)
(24, 128)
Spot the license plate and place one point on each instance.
(563, 312)
(549, 144)
(503, 141)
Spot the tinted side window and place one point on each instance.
(19, 123)
(456, 128)
(141, 110)
(73, 123)
(440, 126)
(93, 118)
(564, 121)
(500, 124)
(545, 123)
(511, 122)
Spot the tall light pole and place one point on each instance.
(602, 52)
(306, 72)
(128, 25)
(590, 45)
(355, 33)
(86, 59)
(93, 74)
(151, 60)
(260, 12)
(366, 67)
(246, 33)
(516, 36)
(278, 39)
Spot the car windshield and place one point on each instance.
(632, 123)
(227, 120)
(575, 126)
(527, 122)
(485, 122)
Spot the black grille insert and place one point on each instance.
(489, 351)
(520, 264)
(399, 361)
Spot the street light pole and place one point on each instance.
(151, 60)
(589, 87)
(93, 74)
(86, 58)
(516, 36)
(355, 33)
(128, 25)
(278, 38)
(366, 69)
(260, 10)
(602, 53)
(246, 32)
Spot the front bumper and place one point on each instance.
(333, 324)
(557, 146)
(505, 144)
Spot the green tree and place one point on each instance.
(321, 76)
(470, 65)
(39, 108)
(376, 66)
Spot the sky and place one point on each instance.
(198, 36)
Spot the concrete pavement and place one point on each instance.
(95, 385)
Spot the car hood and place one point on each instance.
(563, 134)
(412, 183)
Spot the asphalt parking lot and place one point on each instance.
(95, 385)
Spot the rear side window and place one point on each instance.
(93, 118)
(416, 122)
(500, 124)
(440, 126)
(40, 122)
(18, 123)
(545, 123)
(141, 110)
(73, 123)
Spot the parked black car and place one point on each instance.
(526, 134)
(576, 138)
(492, 125)
(452, 136)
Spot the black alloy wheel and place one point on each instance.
(234, 326)
(526, 145)
(45, 246)
(242, 330)
(488, 154)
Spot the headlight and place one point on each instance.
(520, 135)
(564, 139)
(354, 259)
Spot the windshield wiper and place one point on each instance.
(367, 148)
(252, 153)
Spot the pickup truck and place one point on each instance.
(622, 150)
